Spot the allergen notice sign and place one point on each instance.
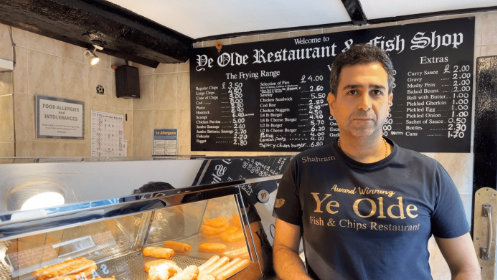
(59, 118)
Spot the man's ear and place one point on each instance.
(390, 98)
(331, 103)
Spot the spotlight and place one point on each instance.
(91, 56)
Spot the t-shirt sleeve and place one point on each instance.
(449, 218)
(287, 204)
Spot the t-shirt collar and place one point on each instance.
(361, 165)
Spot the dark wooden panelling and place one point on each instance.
(485, 141)
(85, 22)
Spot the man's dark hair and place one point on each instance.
(358, 54)
(154, 187)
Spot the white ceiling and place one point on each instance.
(202, 18)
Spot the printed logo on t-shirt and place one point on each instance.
(317, 159)
(368, 204)
(279, 202)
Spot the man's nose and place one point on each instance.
(364, 102)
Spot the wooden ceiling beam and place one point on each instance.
(355, 11)
(120, 32)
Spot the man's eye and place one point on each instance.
(377, 92)
(353, 91)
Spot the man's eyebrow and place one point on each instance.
(354, 86)
(378, 86)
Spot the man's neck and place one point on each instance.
(365, 149)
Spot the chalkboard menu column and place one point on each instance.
(437, 102)
(271, 95)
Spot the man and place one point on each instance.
(364, 206)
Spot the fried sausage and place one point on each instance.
(178, 247)
(212, 247)
(157, 252)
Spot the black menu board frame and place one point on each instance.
(271, 95)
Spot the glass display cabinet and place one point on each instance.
(195, 232)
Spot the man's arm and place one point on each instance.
(460, 256)
(286, 260)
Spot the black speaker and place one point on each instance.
(127, 82)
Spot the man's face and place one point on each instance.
(361, 105)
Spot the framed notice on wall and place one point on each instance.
(59, 118)
(165, 142)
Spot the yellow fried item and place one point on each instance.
(189, 273)
(212, 247)
(158, 252)
(178, 247)
(217, 222)
(51, 271)
(238, 253)
(231, 237)
(212, 230)
(149, 264)
(210, 236)
(235, 221)
(208, 263)
(215, 266)
(205, 277)
(231, 229)
(232, 270)
(78, 275)
(163, 271)
(70, 269)
(225, 267)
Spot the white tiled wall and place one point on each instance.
(45, 66)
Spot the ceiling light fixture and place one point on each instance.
(91, 56)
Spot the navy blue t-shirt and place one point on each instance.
(369, 221)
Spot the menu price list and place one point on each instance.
(272, 96)
(437, 104)
(289, 115)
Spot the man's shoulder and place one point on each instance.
(410, 156)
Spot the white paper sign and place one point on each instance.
(59, 118)
(107, 134)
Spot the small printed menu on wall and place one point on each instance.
(107, 135)
(271, 95)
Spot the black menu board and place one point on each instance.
(224, 170)
(271, 95)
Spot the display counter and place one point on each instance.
(195, 232)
